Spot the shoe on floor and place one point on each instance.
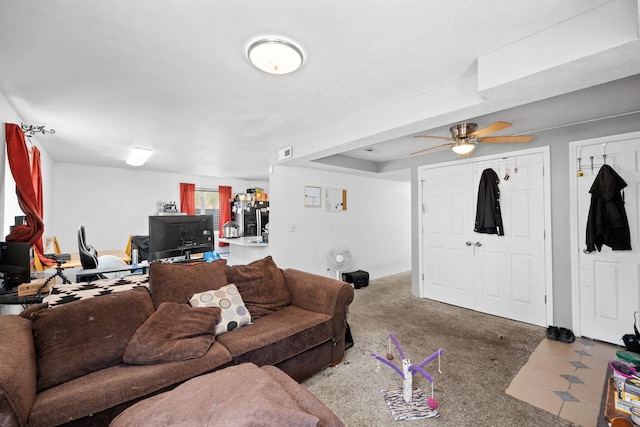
(565, 335)
(553, 333)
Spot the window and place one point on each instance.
(207, 203)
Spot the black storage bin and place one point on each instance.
(359, 279)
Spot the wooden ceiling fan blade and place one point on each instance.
(431, 148)
(434, 137)
(506, 139)
(490, 129)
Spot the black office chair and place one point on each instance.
(88, 255)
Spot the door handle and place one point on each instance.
(474, 244)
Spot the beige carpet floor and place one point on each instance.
(482, 354)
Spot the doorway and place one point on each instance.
(605, 284)
(507, 276)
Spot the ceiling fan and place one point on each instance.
(465, 136)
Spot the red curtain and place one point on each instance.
(36, 179)
(28, 177)
(187, 198)
(224, 208)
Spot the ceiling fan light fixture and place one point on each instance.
(275, 56)
(138, 156)
(463, 147)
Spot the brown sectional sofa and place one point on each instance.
(65, 364)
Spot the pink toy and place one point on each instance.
(408, 371)
(432, 403)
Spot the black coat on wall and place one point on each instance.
(607, 222)
(488, 214)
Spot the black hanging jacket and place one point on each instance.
(607, 222)
(488, 215)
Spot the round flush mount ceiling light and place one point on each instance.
(275, 56)
(463, 147)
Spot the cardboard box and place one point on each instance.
(31, 288)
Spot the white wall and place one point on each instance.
(113, 203)
(376, 226)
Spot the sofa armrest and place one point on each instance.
(17, 370)
(322, 295)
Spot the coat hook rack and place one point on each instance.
(30, 130)
(604, 152)
(579, 173)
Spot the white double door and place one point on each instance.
(500, 275)
(606, 283)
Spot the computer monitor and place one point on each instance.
(179, 236)
(15, 264)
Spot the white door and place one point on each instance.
(500, 275)
(607, 281)
(511, 273)
(448, 216)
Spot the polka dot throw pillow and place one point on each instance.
(233, 314)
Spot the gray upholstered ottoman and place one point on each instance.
(239, 395)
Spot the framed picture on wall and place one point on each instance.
(312, 196)
(335, 199)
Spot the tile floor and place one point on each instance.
(565, 379)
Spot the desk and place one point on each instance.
(74, 262)
(83, 274)
(243, 250)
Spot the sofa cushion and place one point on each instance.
(88, 335)
(27, 313)
(17, 370)
(262, 286)
(233, 315)
(174, 332)
(109, 387)
(177, 282)
(278, 336)
(62, 294)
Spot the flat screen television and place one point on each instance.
(15, 264)
(179, 236)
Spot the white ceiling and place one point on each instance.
(173, 76)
